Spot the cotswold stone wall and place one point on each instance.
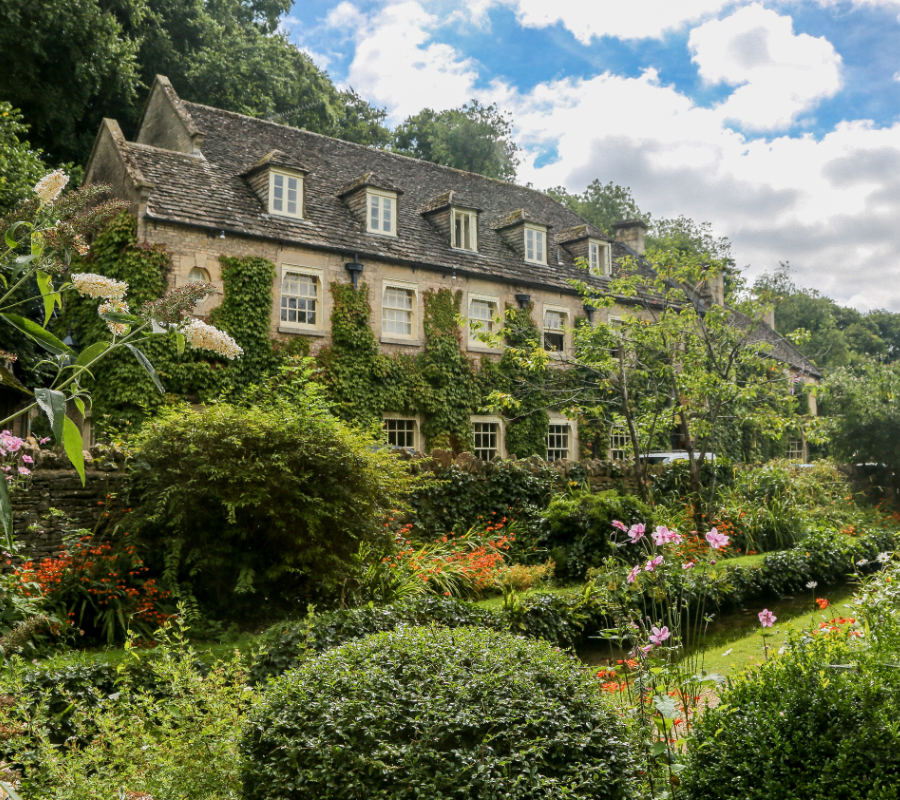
(55, 501)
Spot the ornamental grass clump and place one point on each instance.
(436, 713)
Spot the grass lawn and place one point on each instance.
(735, 643)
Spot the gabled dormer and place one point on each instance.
(278, 183)
(456, 219)
(524, 234)
(373, 202)
(585, 241)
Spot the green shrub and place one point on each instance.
(436, 713)
(262, 507)
(819, 721)
(577, 527)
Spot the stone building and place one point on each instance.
(208, 183)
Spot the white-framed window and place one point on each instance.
(535, 244)
(402, 432)
(598, 257)
(463, 229)
(285, 194)
(382, 212)
(555, 322)
(560, 439)
(201, 275)
(301, 298)
(618, 443)
(483, 316)
(488, 437)
(398, 311)
(795, 448)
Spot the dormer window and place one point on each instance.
(535, 244)
(598, 257)
(285, 194)
(464, 229)
(382, 212)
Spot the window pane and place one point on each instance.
(397, 311)
(299, 298)
(386, 214)
(538, 246)
(529, 244)
(373, 212)
(277, 192)
(482, 311)
(487, 436)
(558, 442)
(292, 196)
(401, 433)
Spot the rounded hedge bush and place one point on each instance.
(818, 722)
(436, 713)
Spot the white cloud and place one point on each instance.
(637, 19)
(778, 74)
(396, 64)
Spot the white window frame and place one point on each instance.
(416, 445)
(599, 258)
(496, 321)
(539, 236)
(286, 178)
(571, 452)
(796, 448)
(501, 436)
(567, 314)
(619, 442)
(381, 197)
(392, 336)
(472, 217)
(319, 309)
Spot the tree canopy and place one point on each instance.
(474, 137)
(20, 165)
(601, 204)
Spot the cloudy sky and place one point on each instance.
(778, 122)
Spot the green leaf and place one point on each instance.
(118, 316)
(41, 335)
(6, 519)
(51, 298)
(73, 443)
(8, 378)
(179, 343)
(10, 234)
(90, 353)
(79, 404)
(665, 706)
(145, 363)
(53, 403)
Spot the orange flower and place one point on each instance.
(821, 602)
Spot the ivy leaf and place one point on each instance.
(38, 334)
(145, 363)
(73, 444)
(53, 403)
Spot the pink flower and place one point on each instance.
(653, 563)
(24, 471)
(27, 459)
(766, 618)
(636, 531)
(44, 440)
(633, 574)
(659, 635)
(620, 526)
(716, 539)
(688, 565)
(662, 535)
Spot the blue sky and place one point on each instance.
(777, 122)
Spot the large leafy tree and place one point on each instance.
(474, 137)
(601, 204)
(71, 62)
(21, 165)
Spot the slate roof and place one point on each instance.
(211, 190)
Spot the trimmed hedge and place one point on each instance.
(436, 713)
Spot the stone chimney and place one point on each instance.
(631, 232)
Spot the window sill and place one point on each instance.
(406, 342)
(301, 331)
(477, 347)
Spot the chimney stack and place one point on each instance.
(631, 232)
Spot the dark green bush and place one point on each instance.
(436, 713)
(260, 508)
(577, 527)
(818, 722)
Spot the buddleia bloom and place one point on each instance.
(90, 284)
(206, 337)
(119, 307)
(49, 187)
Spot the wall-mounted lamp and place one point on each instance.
(355, 269)
(523, 300)
(221, 234)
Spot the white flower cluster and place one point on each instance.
(89, 284)
(49, 187)
(118, 306)
(206, 337)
